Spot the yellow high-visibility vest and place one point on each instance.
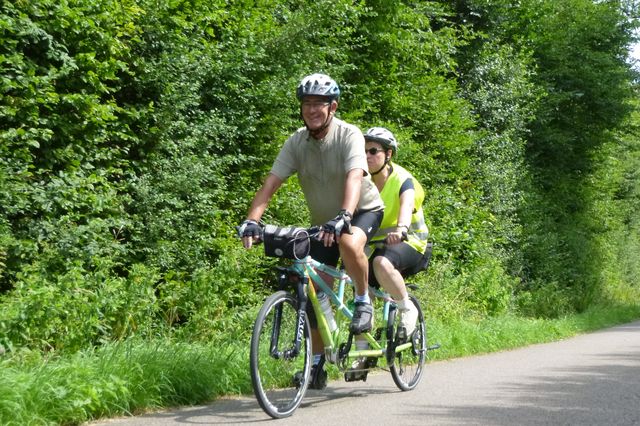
(418, 231)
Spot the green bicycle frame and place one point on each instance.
(309, 267)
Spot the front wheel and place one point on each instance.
(407, 365)
(280, 372)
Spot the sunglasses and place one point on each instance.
(373, 151)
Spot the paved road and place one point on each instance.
(592, 379)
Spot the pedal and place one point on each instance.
(357, 374)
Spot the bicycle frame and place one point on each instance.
(335, 352)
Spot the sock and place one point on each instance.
(403, 304)
(316, 359)
(364, 298)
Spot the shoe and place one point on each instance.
(318, 377)
(408, 318)
(362, 320)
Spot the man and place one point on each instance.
(328, 156)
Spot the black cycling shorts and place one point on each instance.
(402, 256)
(368, 221)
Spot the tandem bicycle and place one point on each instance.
(281, 353)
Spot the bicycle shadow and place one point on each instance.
(344, 390)
(221, 411)
(245, 409)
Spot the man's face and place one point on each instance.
(316, 110)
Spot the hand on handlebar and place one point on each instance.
(250, 232)
(396, 237)
(332, 230)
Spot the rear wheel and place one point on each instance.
(279, 375)
(407, 366)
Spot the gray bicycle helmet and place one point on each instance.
(318, 85)
(382, 136)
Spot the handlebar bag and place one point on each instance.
(286, 242)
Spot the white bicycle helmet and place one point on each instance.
(382, 136)
(318, 85)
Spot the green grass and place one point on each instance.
(134, 377)
(124, 378)
(463, 338)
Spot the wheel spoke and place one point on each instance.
(407, 365)
(279, 379)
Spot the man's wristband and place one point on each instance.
(402, 226)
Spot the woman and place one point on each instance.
(400, 242)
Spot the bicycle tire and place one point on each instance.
(406, 367)
(279, 383)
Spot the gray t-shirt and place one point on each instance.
(322, 167)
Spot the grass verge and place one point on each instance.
(133, 377)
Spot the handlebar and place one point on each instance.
(385, 242)
(312, 232)
(292, 242)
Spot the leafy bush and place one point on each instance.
(545, 300)
(136, 133)
(78, 308)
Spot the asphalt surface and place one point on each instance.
(592, 379)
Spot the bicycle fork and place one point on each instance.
(293, 352)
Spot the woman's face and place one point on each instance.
(376, 156)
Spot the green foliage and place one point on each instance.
(403, 63)
(499, 85)
(487, 288)
(580, 83)
(135, 134)
(544, 300)
(116, 379)
(463, 337)
(78, 309)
